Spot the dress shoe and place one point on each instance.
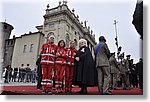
(81, 91)
(39, 87)
(43, 92)
(49, 92)
(107, 93)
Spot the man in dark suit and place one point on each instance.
(139, 66)
(39, 72)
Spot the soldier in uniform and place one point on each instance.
(60, 65)
(128, 73)
(134, 74)
(123, 71)
(139, 67)
(103, 67)
(71, 52)
(113, 70)
(48, 55)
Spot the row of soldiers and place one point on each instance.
(19, 74)
(110, 72)
(125, 73)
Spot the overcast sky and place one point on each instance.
(100, 14)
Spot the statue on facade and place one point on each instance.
(85, 23)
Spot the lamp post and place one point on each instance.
(116, 39)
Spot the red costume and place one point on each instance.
(60, 67)
(71, 52)
(47, 61)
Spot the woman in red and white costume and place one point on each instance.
(71, 52)
(60, 65)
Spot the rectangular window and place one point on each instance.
(12, 42)
(5, 26)
(31, 47)
(8, 42)
(75, 33)
(25, 49)
(51, 25)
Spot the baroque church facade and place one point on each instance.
(60, 22)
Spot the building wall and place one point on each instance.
(62, 25)
(5, 32)
(26, 56)
(9, 47)
(57, 22)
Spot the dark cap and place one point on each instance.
(141, 59)
(128, 55)
(121, 55)
(102, 38)
(112, 53)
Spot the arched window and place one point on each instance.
(76, 43)
(80, 37)
(67, 40)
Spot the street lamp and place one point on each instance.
(116, 39)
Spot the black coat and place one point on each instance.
(85, 70)
(139, 67)
(39, 66)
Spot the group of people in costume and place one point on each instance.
(60, 67)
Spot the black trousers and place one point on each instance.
(39, 72)
(141, 81)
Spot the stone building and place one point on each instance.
(59, 21)
(26, 50)
(5, 32)
(9, 48)
(64, 24)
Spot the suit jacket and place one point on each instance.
(103, 55)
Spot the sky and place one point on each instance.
(24, 15)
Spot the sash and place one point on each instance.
(98, 47)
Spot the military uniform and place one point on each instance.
(139, 67)
(113, 71)
(124, 73)
(128, 73)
